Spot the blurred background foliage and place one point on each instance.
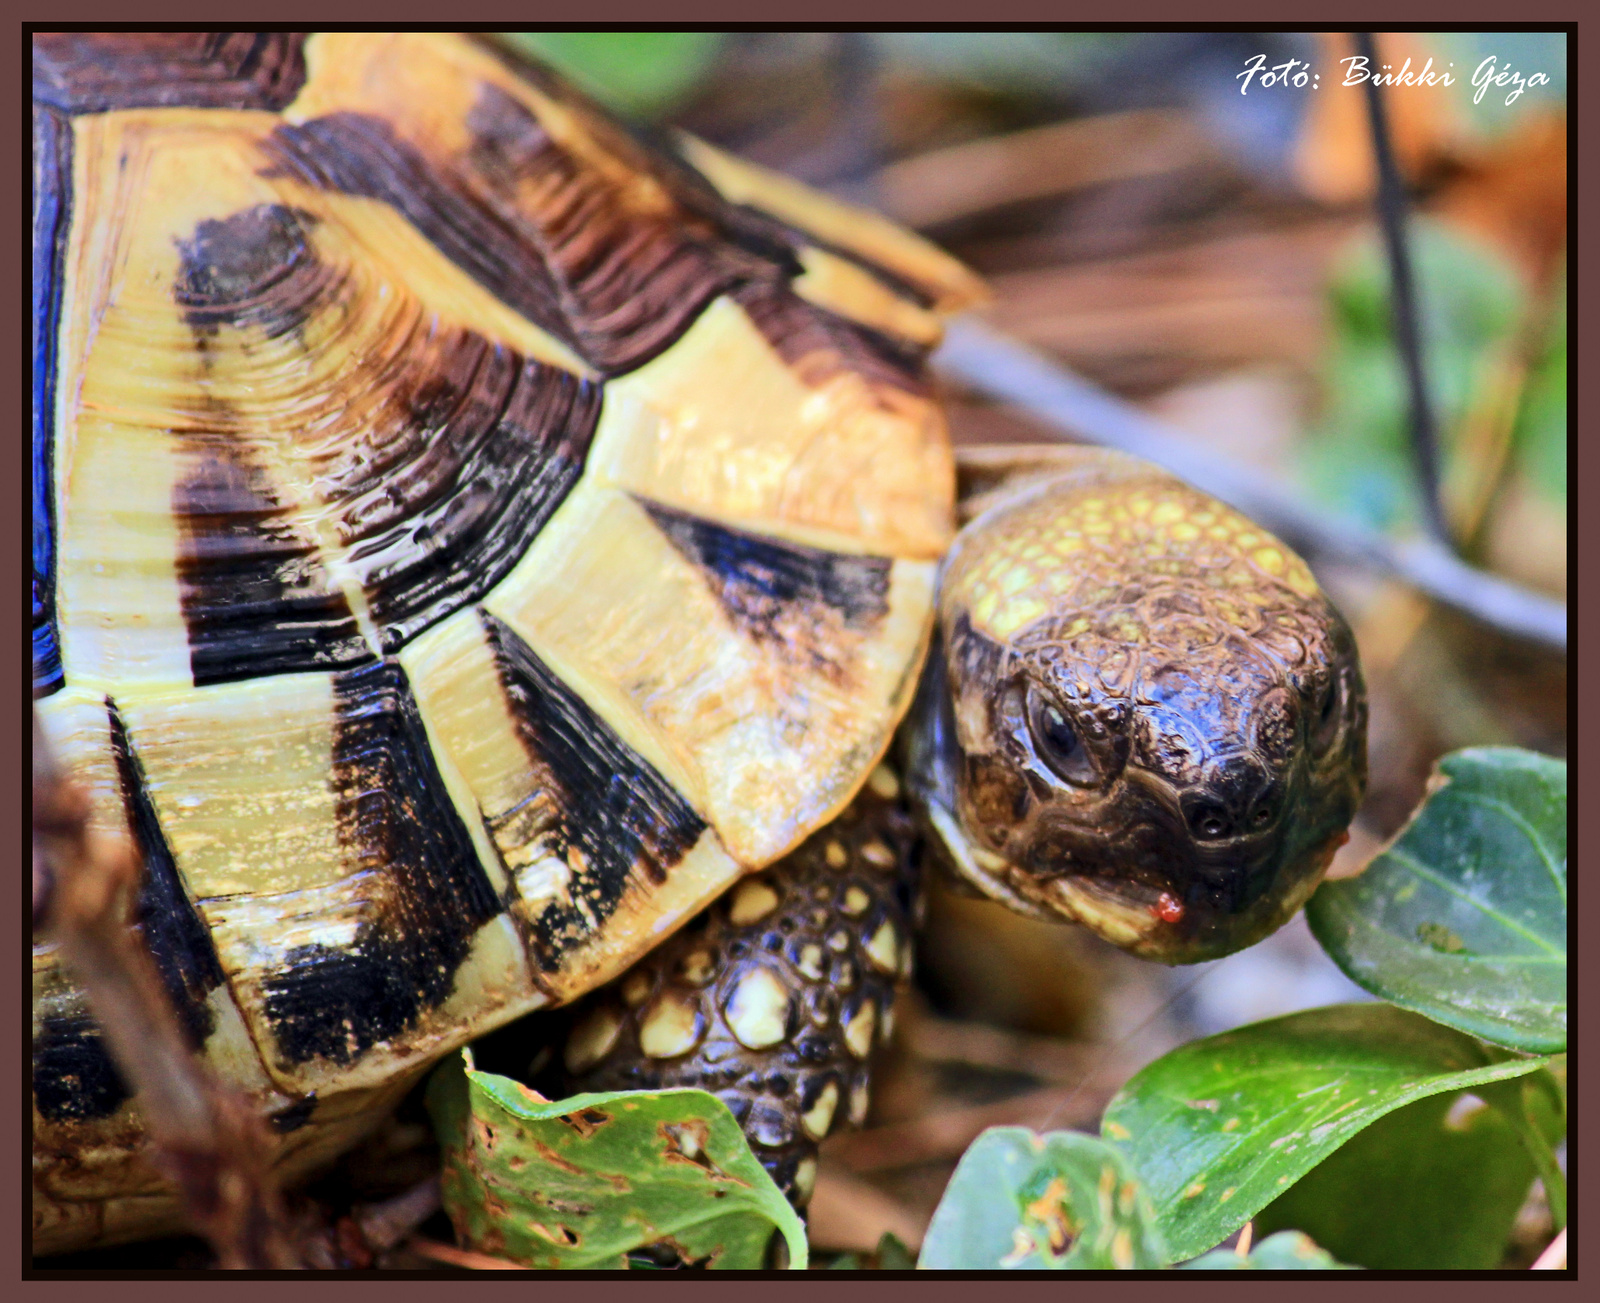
(1213, 257)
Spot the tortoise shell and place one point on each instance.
(465, 541)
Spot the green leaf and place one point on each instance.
(580, 1182)
(1285, 1251)
(1464, 917)
(1359, 457)
(637, 73)
(1221, 1126)
(1541, 426)
(1430, 1187)
(1026, 1201)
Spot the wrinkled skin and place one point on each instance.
(1142, 714)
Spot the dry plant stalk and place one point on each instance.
(207, 1138)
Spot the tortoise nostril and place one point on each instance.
(1209, 821)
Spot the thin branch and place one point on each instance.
(1403, 296)
(464, 1258)
(991, 363)
(206, 1138)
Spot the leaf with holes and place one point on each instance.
(1028, 1201)
(1221, 1126)
(1464, 917)
(1285, 1251)
(581, 1182)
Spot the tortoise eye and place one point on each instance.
(1057, 742)
(1330, 713)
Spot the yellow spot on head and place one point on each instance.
(836, 855)
(1014, 614)
(1270, 559)
(1183, 532)
(1167, 513)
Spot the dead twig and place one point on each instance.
(1039, 163)
(454, 1257)
(207, 1139)
(384, 1225)
(984, 360)
(848, 1213)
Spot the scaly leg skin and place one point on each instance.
(775, 997)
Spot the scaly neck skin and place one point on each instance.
(1140, 714)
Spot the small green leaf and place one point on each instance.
(1285, 1251)
(1464, 917)
(639, 73)
(1433, 1186)
(1028, 1201)
(580, 1182)
(1221, 1126)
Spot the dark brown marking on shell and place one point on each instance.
(74, 1079)
(820, 344)
(799, 600)
(531, 224)
(255, 268)
(255, 595)
(396, 822)
(437, 487)
(90, 72)
(607, 811)
(655, 152)
(52, 219)
(176, 936)
(770, 1090)
(477, 449)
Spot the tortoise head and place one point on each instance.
(1143, 715)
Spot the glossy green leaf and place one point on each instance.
(1027, 1201)
(639, 73)
(1464, 917)
(1220, 1127)
(1285, 1251)
(580, 1182)
(1433, 1186)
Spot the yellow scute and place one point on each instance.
(722, 426)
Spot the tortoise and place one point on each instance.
(469, 538)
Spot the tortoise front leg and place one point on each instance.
(775, 997)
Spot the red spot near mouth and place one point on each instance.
(1169, 909)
